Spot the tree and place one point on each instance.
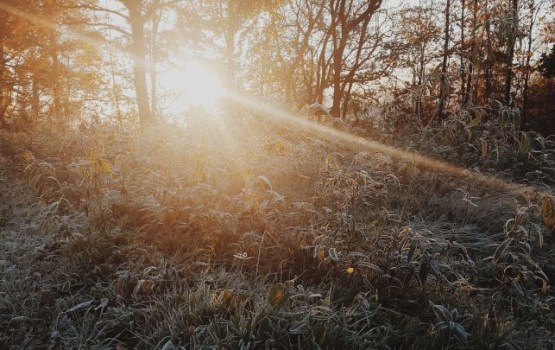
(345, 18)
(472, 59)
(137, 14)
(512, 35)
(547, 63)
(444, 91)
(418, 37)
(19, 43)
(283, 51)
(43, 72)
(307, 48)
(533, 11)
(227, 20)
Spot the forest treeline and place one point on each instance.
(68, 59)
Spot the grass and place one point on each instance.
(221, 237)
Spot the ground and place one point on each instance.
(23, 275)
(277, 241)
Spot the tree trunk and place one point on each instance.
(2, 82)
(322, 70)
(337, 67)
(463, 52)
(527, 67)
(54, 77)
(338, 19)
(345, 19)
(153, 62)
(511, 54)
(420, 71)
(468, 90)
(139, 60)
(489, 59)
(347, 87)
(444, 90)
(35, 98)
(300, 52)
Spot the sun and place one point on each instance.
(193, 85)
(202, 85)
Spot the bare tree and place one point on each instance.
(444, 90)
(137, 14)
(346, 17)
(513, 33)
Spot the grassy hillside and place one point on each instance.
(252, 236)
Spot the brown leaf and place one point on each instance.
(277, 294)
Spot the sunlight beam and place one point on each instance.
(298, 121)
(295, 120)
(79, 35)
(38, 20)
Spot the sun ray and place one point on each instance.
(294, 120)
(38, 20)
(291, 119)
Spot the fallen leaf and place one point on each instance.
(276, 294)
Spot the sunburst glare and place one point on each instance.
(194, 85)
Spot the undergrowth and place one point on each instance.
(217, 237)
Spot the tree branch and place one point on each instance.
(98, 9)
(107, 26)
